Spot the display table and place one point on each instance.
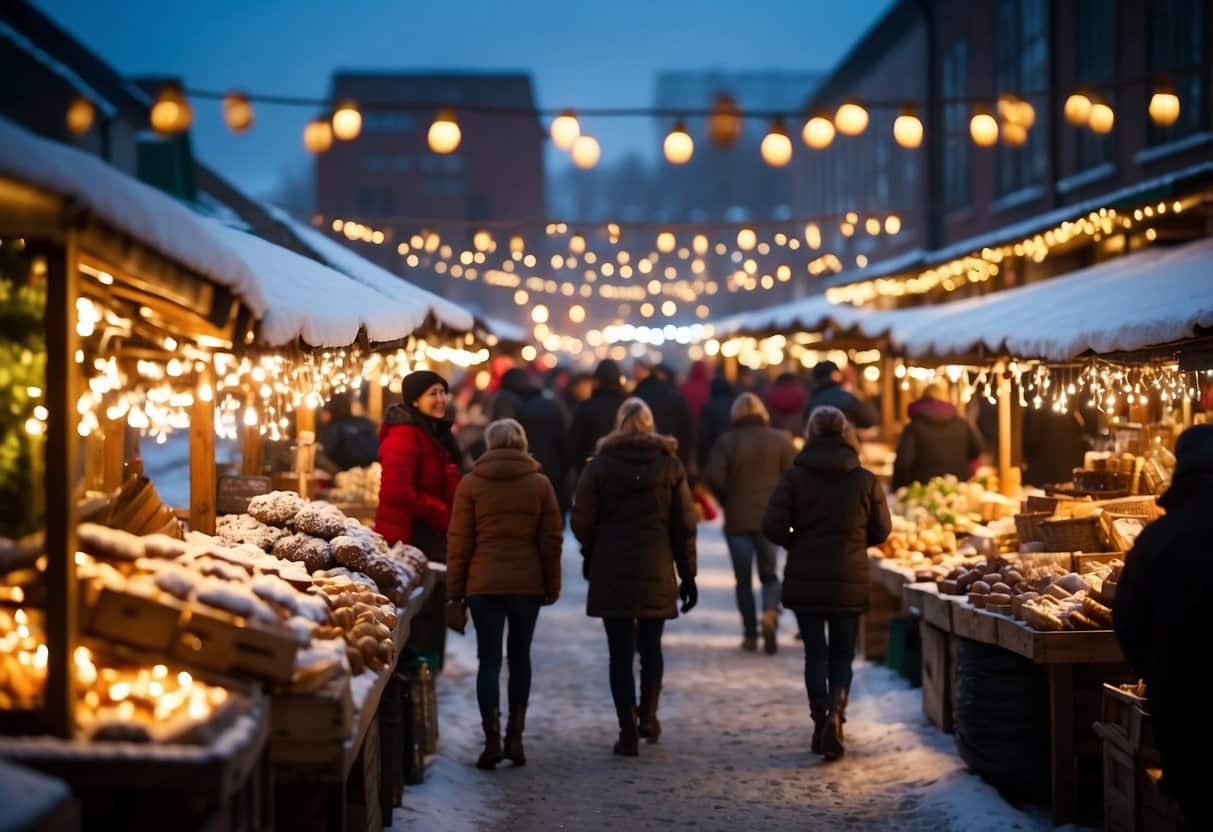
(332, 781)
(886, 603)
(132, 786)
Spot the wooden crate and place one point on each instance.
(326, 714)
(874, 624)
(1060, 646)
(937, 610)
(134, 620)
(363, 809)
(1124, 716)
(974, 624)
(936, 676)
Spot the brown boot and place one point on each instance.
(841, 707)
(628, 744)
(831, 736)
(770, 624)
(750, 644)
(820, 711)
(650, 728)
(513, 735)
(491, 756)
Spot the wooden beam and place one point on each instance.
(115, 454)
(251, 450)
(374, 401)
(1008, 474)
(62, 390)
(202, 460)
(888, 399)
(305, 437)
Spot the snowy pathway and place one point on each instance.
(734, 751)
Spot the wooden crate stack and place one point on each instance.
(1133, 801)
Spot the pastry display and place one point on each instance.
(278, 508)
(357, 485)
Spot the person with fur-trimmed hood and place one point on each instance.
(635, 520)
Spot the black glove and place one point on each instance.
(689, 593)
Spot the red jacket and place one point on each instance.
(418, 482)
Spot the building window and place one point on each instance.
(1175, 50)
(388, 122)
(957, 149)
(1020, 55)
(1095, 67)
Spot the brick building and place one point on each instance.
(952, 195)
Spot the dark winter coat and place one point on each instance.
(831, 394)
(350, 442)
(826, 511)
(1161, 611)
(635, 520)
(937, 441)
(506, 529)
(594, 418)
(744, 469)
(697, 389)
(714, 418)
(671, 415)
(1053, 446)
(785, 401)
(543, 419)
(418, 483)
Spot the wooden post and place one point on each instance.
(94, 457)
(202, 460)
(374, 401)
(115, 454)
(305, 431)
(1004, 427)
(888, 398)
(62, 386)
(251, 450)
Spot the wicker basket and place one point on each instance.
(1051, 504)
(1073, 534)
(1028, 525)
(1140, 506)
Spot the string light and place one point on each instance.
(565, 129)
(776, 147)
(1101, 118)
(678, 146)
(586, 152)
(818, 133)
(907, 128)
(318, 135)
(1077, 109)
(851, 119)
(444, 134)
(237, 112)
(80, 115)
(983, 128)
(171, 112)
(1164, 105)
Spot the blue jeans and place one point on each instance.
(490, 614)
(745, 549)
(625, 638)
(827, 668)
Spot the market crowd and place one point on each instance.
(485, 478)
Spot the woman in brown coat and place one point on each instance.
(503, 561)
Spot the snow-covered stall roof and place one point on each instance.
(1155, 296)
(364, 271)
(807, 314)
(291, 295)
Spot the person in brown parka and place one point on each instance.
(503, 560)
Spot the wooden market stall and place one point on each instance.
(157, 319)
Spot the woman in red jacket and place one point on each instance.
(420, 471)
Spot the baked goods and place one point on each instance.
(315, 554)
(320, 519)
(278, 508)
(244, 528)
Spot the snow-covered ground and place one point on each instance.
(734, 752)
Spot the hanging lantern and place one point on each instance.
(983, 127)
(678, 145)
(586, 152)
(482, 240)
(80, 115)
(666, 242)
(776, 147)
(747, 238)
(1101, 118)
(1014, 134)
(812, 235)
(851, 119)
(444, 135)
(724, 121)
(237, 112)
(1164, 105)
(565, 130)
(699, 244)
(1077, 109)
(907, 128)
(171, 113)
(347, 121)
(892, 224)
(577, 244)
(318, 135)
(818, 132)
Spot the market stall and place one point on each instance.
(154, 670)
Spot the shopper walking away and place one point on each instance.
(827, 391)
(419, 456)
(936, 441)
(594, 418)
(697, 389)
(1161, 603)
(503, 561)
(827, 511)
(543, 420)
(670, 411)
(346, 440)
(635, 520)
(743, 470)
(785, 400)
(714, 419)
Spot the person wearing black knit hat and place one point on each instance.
(420, 461)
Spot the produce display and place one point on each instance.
(954, 505)
(357, 485)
